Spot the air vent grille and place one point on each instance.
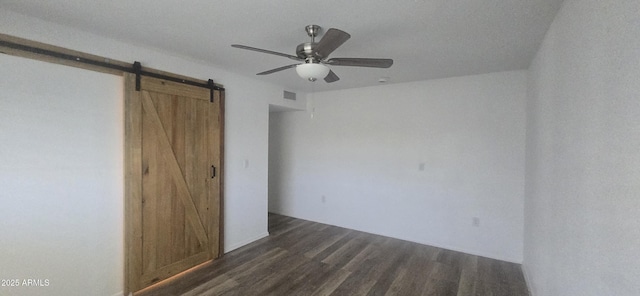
(289, 95)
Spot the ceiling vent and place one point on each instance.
(289, 95)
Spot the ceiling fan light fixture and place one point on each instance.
(312, 71)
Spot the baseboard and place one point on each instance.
(245, 242)
(433, 244)
(118, 294)
(470, 252)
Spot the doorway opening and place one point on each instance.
(277, 146)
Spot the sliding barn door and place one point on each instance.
(173, 153)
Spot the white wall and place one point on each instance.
(246, 131)
(61, 177)
(582, 226)
(353, 160)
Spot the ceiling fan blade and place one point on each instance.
(331, 40)
(331, 77)
(360, 62)
(277, 69)
(267, 51)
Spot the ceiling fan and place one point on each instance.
(313, 56)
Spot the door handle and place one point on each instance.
(213, 172)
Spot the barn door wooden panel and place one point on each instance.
(173, 139)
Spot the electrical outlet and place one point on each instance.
(475, 221)
(323, 199)
(421, 166)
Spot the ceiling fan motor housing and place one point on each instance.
(305, 51)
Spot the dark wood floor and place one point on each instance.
(307, 258)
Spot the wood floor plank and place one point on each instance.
(288, 281)
(249, 270)
(259, 283)
(396, 286)
(359, 258)
(418, 269)
(443, 280)
(216, 284)
(355, 284)
(312, 242)
(346, 253)
(306, 258)
(319, 280)
(224, 287)
(467, 283)
(387, 267)
(329, 286)
(323, 246)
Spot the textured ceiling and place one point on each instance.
(426, 38)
